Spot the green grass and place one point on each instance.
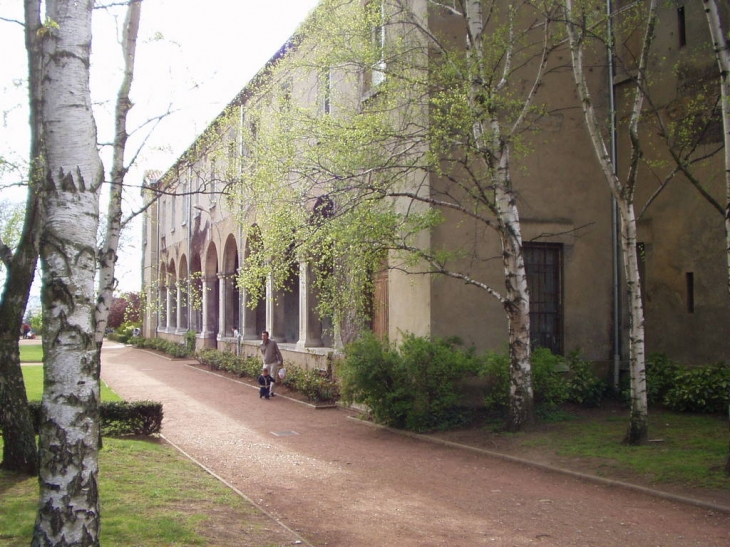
(137, 478)
(686, 449)
(179, 501)
(31, 353)
(33, 378)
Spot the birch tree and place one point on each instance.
(721, 47)
(19, 447)
(433, 141)
(579, 24)
(69, 512)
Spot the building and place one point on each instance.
(195, 243)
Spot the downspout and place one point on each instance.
(157, 268)
(616, 255)
(189, 220)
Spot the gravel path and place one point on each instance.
(340, 483)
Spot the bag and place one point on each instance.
(282, 373)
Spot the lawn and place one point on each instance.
(33, 377)
(181, 504)
(31, 353)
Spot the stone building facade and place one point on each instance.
(194, 246)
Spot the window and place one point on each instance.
(544, 265)
(681, 27)
(690, 279)
(375, 75)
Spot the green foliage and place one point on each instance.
(496, 369)
(584, 387)
(190, 337)
(165, 346)
(414, 386)
(124, 332)
(548, 381)
(316, 385)
(552, 385)
(701, 389)
(661, 376)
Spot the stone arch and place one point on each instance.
(210, 297)
(231, 294)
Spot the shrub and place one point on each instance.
(661, 376)
(702, 389)
(412, 387)
(584, 387)
(165, 346)
(118, 418)
(496, 369)
(316, 385)
(548, 382)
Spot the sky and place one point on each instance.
(192, 58)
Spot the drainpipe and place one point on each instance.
(616, 255)
(189, 221)
(159, 257)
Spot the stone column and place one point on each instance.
(274, 312)
(221, 305)
(179, 328)
(247, 327)
(310, 329)
(168, 309)
(204, 330)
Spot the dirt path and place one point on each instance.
(340, 483)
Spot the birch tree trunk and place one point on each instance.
(69, 502)
(19, 448)
(721, 46)
(490, 140)
(623, 192)
(108, 256)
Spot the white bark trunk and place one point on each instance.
(722, 53)
(517, 299)
(108, 255)
(623, 192)
(69, 503)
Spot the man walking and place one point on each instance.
(271, 356)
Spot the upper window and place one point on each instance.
(375, 74)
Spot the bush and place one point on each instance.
(118, 418)
(661, 376)
(496, 370)
(703, 389)
(584, 387)
(548, 380)
(158, 344)
(413, 387)
(316, 385)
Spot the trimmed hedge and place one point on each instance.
(118, 418)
